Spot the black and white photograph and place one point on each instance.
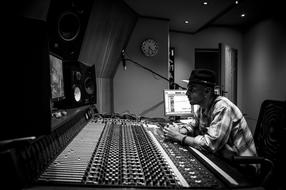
(143, 95)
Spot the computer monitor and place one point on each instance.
(176, 103)
(57, 78)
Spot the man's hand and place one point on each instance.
(173, 132)
(185, 129)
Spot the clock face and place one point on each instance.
(150, 47)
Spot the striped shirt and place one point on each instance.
(222, 129)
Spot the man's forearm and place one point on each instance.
(188, 140)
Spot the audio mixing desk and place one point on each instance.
(127, 154)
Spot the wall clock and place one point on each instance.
(149, 47)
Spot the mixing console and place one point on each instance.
(195, 173)
(127, 153)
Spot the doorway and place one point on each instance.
(223, 61)
(208, 59)
(228, 63)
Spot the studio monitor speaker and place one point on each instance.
(79, 84)
(67, 20)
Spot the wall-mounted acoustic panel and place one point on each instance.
(26, 86)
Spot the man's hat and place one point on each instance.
(203, 76)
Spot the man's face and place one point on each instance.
(195, 93)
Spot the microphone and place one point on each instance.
(123, 59)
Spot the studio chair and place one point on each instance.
(270, 141)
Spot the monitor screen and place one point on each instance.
(176, 103)
(57, 78)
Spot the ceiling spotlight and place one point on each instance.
(236, 2)
(242, 15)
(187, 22)
(205, 2)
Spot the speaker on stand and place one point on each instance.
(67, 21)
(79, 85)
(89, 84)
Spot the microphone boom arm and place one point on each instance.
(153, 72)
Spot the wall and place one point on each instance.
(136, 90)
(185, 45)
(261, 61)
(109, 27)
(139, 92)
(264, 66)
(261, 66)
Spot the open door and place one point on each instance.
(228, 64)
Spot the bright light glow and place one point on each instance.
(242, 15)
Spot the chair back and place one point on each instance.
(270, 137)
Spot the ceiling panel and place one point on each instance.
(216, 12)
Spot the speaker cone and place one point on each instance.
(77, 94)
(89, 86)
(68, 26)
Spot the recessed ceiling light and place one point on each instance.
(205, 2)
(236, 2)
(242, 15)
(187, 22)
